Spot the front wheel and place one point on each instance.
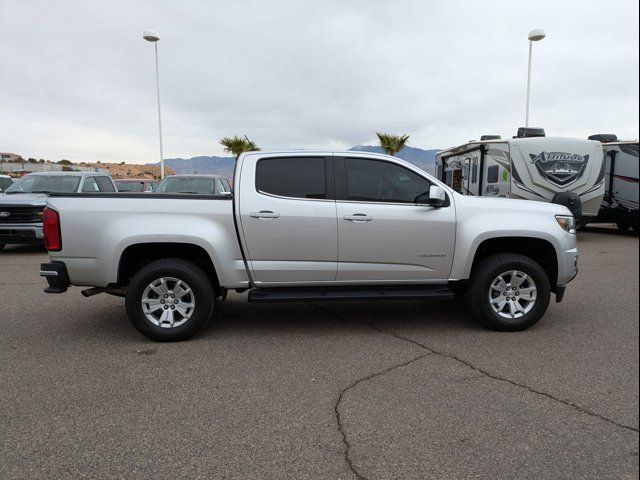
(170, 299)
(509, 292)
(2, 246)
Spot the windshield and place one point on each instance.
(128, 186)
(204, 186)
(45, 184)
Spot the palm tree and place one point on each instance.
(237, 145)
(392, 144)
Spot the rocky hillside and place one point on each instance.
(129, 170)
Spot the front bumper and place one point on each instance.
(56, 275)
(21, 233)
(567, 269)
(567, 266)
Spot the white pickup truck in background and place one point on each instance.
(306, 226)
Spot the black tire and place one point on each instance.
(482, 278)
(2, 245)
(623, 226)
(199, 283)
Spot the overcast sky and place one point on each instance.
(77, 80)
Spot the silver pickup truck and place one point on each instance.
(307, 226)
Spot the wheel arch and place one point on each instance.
(538, 249)
(137, 255)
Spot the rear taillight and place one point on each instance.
(51, 229)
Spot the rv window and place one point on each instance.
(492, 174)
(449, 177)
(474, 171)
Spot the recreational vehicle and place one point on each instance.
(530, 166)
(620, 203)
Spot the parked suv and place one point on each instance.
(197, 184)
(135, 184)
(22, 203)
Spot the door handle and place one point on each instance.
(358, 217)
(264, 214)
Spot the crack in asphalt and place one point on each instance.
(493, 376)
(336, 408)
(430, 350)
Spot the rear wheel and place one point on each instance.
(2, 245)
(509, 292)
(170, 299)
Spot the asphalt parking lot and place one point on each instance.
(323, 391)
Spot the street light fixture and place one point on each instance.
(534, 36)
(153, 37)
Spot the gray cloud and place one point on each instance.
(77, 80)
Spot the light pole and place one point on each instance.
(153, 37)
(534, 36)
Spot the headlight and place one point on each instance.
(567, 222)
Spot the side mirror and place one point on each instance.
(435, 197)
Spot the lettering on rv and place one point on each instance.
(560, 168)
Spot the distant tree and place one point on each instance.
(67, 168)
(41, 160)
(33, 160)
(236, 145)
(121, 163)
(392, 144)
(64, 162)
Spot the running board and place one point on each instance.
(267, 295)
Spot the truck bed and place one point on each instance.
(98, 227)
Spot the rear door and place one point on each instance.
(287, 212)
(383, 235)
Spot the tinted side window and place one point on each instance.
(474, 171)
(105, 184)
(492, 174)
(90, 185)
(380, 181)
(298, 177)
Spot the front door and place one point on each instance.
(288, 218)
(384, 236)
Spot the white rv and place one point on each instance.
(531, 166)
(620, 203)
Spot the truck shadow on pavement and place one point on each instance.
(237, 318)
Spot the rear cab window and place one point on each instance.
(294, 177)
